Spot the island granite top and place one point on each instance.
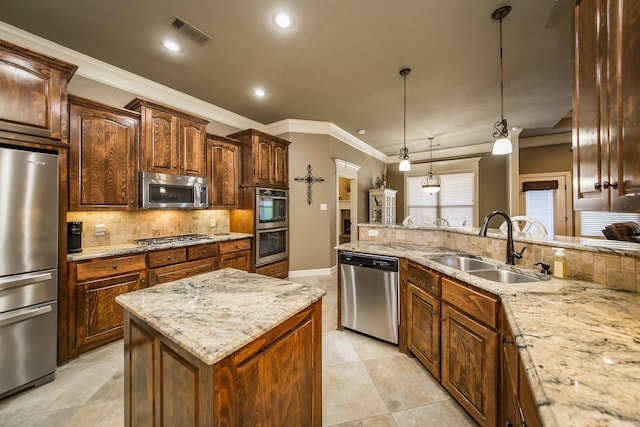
(579, 342)
(212, 315)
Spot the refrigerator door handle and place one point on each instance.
(10, 318)
(24, 279)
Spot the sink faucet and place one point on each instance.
(511, 252)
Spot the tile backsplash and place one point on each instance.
(124, 227)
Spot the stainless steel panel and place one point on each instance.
(28, 343)
(196, 187)
(28, 211)
(22, 290)
(370, 301)
(272, 245)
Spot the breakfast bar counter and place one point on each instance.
(223, 348)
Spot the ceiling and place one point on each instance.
(340, 62)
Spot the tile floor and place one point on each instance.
(366, 382)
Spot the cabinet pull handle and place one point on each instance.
(597, 185)
(442, 319)
(505, 341)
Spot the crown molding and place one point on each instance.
(324, 128)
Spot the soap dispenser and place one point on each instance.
(560, 264)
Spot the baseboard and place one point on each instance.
(314, 272)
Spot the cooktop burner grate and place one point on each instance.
(171, 239)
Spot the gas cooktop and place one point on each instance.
(172, 239)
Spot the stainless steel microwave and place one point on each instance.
(165, 191)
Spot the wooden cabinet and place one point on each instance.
(423, 316)
(223, 171)
(606, 132)
(37, 87)
(470, 350)
(167, 265)
(275, 380)
(265, 159)
(102, 164)
(509, 362)
(94, 284)
(278, 269)
(235, 254)
(382, 206)
(171, 141)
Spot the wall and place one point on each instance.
(493, 192)
(549, 158)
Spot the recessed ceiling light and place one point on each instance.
(260, 93)
(283, 20)
(362, 131)
(171, 45)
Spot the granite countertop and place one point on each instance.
(133, 248)
(579, 342)
(214, 314)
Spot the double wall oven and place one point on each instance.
(272, 225)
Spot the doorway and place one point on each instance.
(347, 203)
(546, 197)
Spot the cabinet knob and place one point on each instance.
(169, 257)
(509, 423)
(204, 251)
(608, 184)
(130, 202)
(505, 341)
(115, 265)
(597, 185)
(442, 319)
(434, 313)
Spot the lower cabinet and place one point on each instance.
(235, 254)
(275, 380)
(167, 265)
(423, 335)
(278, 269)
(94, 285)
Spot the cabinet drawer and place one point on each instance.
(424, 279)
(202, 251)
(167, 257)
(235, 246)
(180, 271)
(279, 269)
(95, 269)
(480, 306)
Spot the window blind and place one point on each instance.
(592, 222)
(454, 201)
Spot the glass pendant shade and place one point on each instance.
(502, 146)
(431, 183)
(405, 165)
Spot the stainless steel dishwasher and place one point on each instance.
(369, 291)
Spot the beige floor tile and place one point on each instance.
(348, 394)
(380, 421)
(403, 383)
(329, 320)
(113, 389)
(440, 414)
(337, 349)
(48, 419)
(371, 348)
(108, 414)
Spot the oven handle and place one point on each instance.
(271, 230)
(10, 318)
(25, 279)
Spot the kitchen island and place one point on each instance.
(223, 348)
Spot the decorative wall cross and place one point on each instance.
(309, 179)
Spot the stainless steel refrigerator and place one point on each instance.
(28, 268)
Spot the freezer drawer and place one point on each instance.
(23, 290)
(28, 343)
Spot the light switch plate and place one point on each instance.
(100, 230)
(323, 206)
(214, 223)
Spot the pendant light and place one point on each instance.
(431, 183)
(405, 165)
(502, 145)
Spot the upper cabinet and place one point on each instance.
(223, 166)
(102, 160)
(265, 159)
(171, 141)
(33, 91)
(606, 133)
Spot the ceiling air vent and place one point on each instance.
(189, 31)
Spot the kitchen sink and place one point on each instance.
(463, 263)
(503, 276)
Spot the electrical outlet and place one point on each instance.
(100, 230)
(214, 223)
(323, 206)
(373, 233)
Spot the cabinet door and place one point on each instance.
(423, 314)
(280, 164)
(192, 148)
(98, 316)
(624, 17)
(33, 89)
(159, 141)
(102, 166)
(589, 105)
(275, 386)
(180, 271)
(240, 260)
(223, 160)
(263, 161)
(510, 412)
(470, 364)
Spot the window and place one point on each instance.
(455, 201)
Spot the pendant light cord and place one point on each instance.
(501, 77)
